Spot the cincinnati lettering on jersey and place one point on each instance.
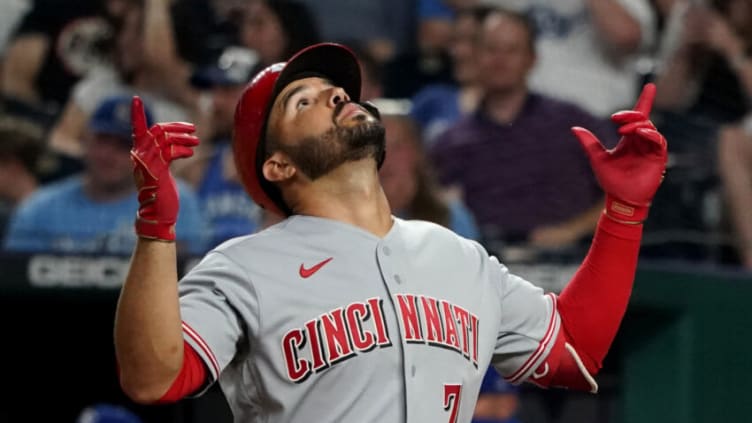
(334, 337)
(360, 327)
(439, 323)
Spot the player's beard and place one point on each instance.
(318, 155)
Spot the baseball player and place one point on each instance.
(343, 312)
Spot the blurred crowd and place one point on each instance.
(481, 95)
(478, 98)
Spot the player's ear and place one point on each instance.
(278, 167)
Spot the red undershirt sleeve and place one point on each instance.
(593, 303)
(192, 376)
(592, 306)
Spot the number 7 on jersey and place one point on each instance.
(452, 400)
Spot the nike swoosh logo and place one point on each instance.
(307, 273)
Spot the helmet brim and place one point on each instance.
(334, 62)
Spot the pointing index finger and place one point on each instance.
(645, 102)
(138, 117)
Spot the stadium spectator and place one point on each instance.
(385, 28)
(410, 183)
(54, 46)
(227, 208)
(735, 168)
(703, 85)
(699, 74)
(131, 70)
(427, 62)
(438, 106)
(107, 413)
(271, 29)
(522, 172)
(11, 12)
(498, 400)
(436, 21)
(93, 212)
(275, 29)
(21, 147)
(434, 29)
(593, 45)
(204, 28)
(729, 33)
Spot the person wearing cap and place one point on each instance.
(211, 171)
(21, 153)
(90, 212)
(342, 311)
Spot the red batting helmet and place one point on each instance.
(332, 61)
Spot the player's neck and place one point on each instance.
(350, 194)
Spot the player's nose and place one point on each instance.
(337, 95)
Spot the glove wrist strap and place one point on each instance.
(623, 212)
(150, 229)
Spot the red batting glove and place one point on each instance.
(153, 151)
(631, 172)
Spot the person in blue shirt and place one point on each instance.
(228, 209)
(498, 400)
(92, 212)
(107, 413)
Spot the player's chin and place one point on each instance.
(366, 133)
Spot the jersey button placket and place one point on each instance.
(393, 283)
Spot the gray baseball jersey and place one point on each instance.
(314, 320)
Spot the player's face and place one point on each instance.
(317, 126)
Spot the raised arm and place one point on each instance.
(724, 39)
(161, 53)
(593, 303)
(620, 30)
(148, 335)
(23, 61)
